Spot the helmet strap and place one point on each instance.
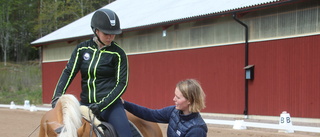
(94, 31)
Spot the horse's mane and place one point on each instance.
(71, 115)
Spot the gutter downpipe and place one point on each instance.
(246, 90)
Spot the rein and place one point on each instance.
(91, 120)
(34, 130)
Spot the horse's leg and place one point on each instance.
(148, 129)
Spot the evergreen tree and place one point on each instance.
(23, 21)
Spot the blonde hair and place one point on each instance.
(192, 91)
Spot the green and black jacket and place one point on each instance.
(104, 73)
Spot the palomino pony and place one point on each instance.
(66, 120)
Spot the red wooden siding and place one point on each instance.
(287, 77)
(153, 77)
(50, 75)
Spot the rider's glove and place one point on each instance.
(54, 102)
(95, 109)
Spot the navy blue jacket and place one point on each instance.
(180, 125)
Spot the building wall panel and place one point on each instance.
(51, 72)
(153, 77)
(287, 77)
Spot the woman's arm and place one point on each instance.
(154, 115)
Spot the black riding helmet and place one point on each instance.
(106, 21)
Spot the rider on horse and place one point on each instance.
(104, 72)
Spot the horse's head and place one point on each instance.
(66, 115)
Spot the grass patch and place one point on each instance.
(19, 82)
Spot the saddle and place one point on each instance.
(102, 128)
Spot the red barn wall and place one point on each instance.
(51, 72)
(287, 77)
(153, 77)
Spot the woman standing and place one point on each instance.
(184, 118)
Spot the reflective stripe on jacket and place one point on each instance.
(104, 73)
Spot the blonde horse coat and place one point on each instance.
(67, 116)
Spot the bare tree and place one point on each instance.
(5, 30)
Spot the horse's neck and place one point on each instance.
(57, 112)
(84, 130)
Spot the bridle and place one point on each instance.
(91, 121)
(34, 130)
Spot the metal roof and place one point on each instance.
(142, 13)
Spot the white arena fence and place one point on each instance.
(286, 127)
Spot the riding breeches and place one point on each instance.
(116, 116)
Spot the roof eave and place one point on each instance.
(60, 40)
(183, 20)
(211, 15)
